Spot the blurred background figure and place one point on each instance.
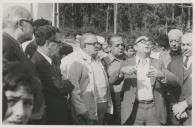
(19, 89)
(130, 51)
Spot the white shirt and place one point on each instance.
(45, 56)
(144, 87)
(189, 61)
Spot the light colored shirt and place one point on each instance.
(99, 81)
(45, 56)
(144, 91)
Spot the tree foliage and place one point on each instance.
(135, 19)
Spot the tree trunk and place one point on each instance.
(188, 20)
(115, 17)
(173, 12)
(107, 18)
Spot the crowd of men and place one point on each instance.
(47, 82)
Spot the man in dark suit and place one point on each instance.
(55, 90)
(144, 77)
(182, 68)
(18, 28)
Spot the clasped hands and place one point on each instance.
(179, 110)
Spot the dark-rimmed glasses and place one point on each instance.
(28, 21)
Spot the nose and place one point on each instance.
(19, 110)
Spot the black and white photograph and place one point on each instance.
(101, 63)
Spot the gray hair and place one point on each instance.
(12, 16)
(176, 32)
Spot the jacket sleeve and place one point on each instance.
(189, 101)
(113, 73)
(74, 75)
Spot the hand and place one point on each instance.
(154, 73)
(183, 115)
(128, 70)
(84, 116)
(179, 108)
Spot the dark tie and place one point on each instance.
(186, 62)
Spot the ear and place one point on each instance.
(20, 25)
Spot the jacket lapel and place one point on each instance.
(154, 64)
(180, 71)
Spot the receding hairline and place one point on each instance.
(14, 13)
(114, 36)
(175, 32)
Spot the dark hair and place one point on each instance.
(65, 49)
(44, 33)
(17, 74)
(41, 22)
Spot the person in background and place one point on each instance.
(114, 61)
(129, 51)
(174, 37)
(172, 93)
(182, 68)
(91, 98)
(56, 91)
(31, 46)
(19, 89)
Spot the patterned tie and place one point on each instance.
(186, 62)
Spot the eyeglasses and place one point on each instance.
(29, 21)
(93, 44)
(146, 42)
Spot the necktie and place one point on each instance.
(186, 62)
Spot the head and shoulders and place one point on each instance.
(88, 50)
(17, 25)
(143, 46)
(117, 48)
(48, 45)
(20, 89)
(186, 48)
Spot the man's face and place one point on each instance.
(53, 49)
(20, 105)
(91, 46)
(27, 28)
(118, 46)
(186, 46)
(143, 47)
(174, 42)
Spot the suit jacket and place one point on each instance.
(55, 91)
(76, 68)
(130, 91)
(13, 52)
(184, 80)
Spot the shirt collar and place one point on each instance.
(45, 56)
(137, 58)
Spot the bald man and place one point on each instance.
(18, 28)
(174, 37)
(91, 98)
(182, 68)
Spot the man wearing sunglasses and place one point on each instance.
(142, 101)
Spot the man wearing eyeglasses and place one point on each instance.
(17, 28)
(143, 98)
(91, 98)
